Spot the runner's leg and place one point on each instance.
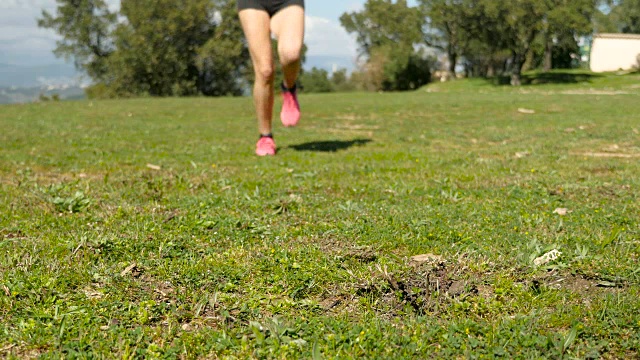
(256, 26)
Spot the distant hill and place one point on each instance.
(40, 75)
(22, 83)
(330, 63)
(11, 95)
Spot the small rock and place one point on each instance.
(547, 258)
(561, 211)
(526, 111)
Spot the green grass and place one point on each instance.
(220, 254)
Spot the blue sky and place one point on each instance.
(332, 9)
(22, 42)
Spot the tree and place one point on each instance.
(85, 27)
(523, 21)
(625, 16)
(341, 81)
(564, 21)
(447, 28)
(388, 33)
(384, 22)
(157, 47)
(316, 81)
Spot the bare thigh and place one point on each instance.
(256, 26)
(288, 27)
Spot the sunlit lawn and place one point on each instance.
(148, 229)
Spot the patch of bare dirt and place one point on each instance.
(345, 250)
(20, 352)
(333, 302)
(428, 282)
(13, 234)
(594, 92)
(583, 284)
(361, 254)
(606, 155)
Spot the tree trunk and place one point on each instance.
(548, 59)
(528, 61)
(491, 69)
(453, 60)
(516, 78)
(516, 71)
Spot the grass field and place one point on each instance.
(148, 229)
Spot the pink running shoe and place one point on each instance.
(290, 114)
(266, 146)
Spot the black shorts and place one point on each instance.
(270, 6)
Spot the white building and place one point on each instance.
(613, 52)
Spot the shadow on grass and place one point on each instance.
(549, 78)
(329, 146)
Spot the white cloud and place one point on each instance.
(355, 6)
(21, 41)
(328, 38)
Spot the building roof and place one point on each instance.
(618, 36)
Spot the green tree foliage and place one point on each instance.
(448, 28)
(157, 47)
(387, 32)
(523, 20)
(316, 81)
(384, 22)
(85, 27)
(498, 36)
(625, 16)
(564, 22)
(319, 81)
(341, 81)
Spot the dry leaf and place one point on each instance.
(427, 258)
(92, 294)
(526, 111)
(129, 269)
(7, 348)
(561, 211)
(153, 167)
(607, 284)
